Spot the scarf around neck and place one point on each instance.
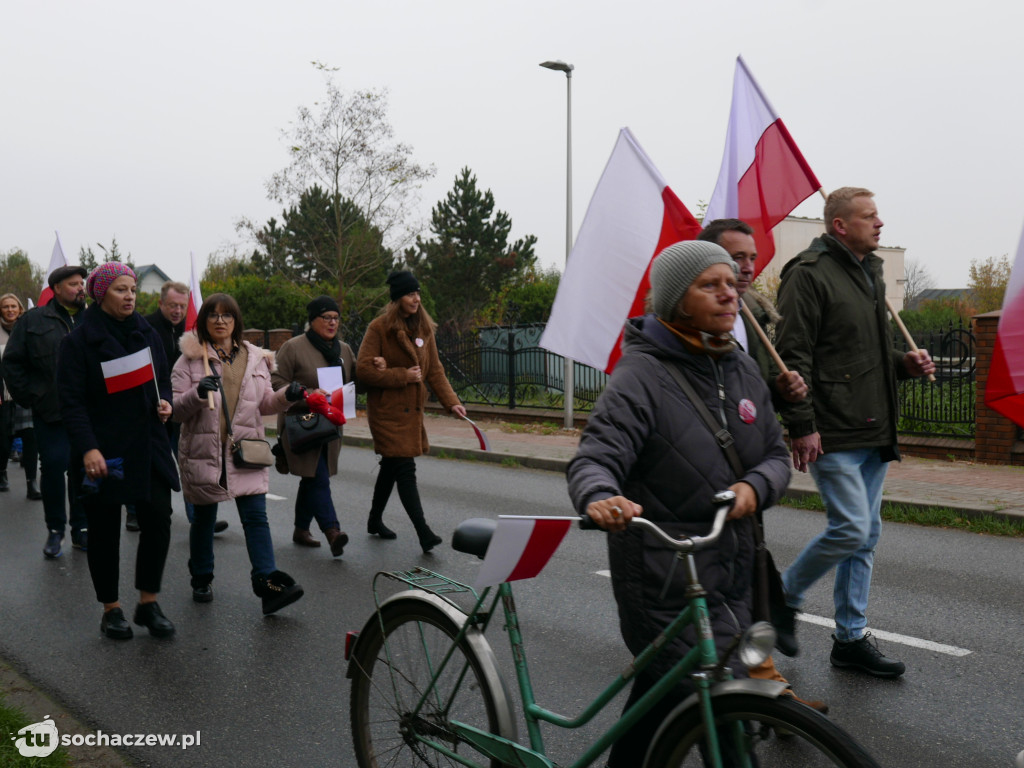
(331, 350)
(700, 342)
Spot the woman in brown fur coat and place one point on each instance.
(397, 361)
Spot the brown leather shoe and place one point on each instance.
(337, 540)
(304, 538)
(767, 671)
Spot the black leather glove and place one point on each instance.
(208, 384)
(295, 392)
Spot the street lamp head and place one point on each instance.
(560, 65)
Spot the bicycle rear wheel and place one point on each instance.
(809, 739)
(395, 660)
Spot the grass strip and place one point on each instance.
(935, 517)
(12, 720)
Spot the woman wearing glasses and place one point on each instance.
(217, 366)
(298, 360)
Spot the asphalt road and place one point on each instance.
(271, 691)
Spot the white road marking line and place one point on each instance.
(275, 497)
(915, 642)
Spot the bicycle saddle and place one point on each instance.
(472, 536)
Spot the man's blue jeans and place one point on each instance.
(55, 481)
(850, 483)
(253, 512)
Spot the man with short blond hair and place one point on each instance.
(835, 327)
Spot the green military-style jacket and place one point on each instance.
(836, 332)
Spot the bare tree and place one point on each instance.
(917, 280)
(346, 147)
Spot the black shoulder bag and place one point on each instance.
(767, 587)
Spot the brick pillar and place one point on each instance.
(279, 336)
(994, 434)
(255, 336)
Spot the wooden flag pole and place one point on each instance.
(763, 337)
(895, 315)
(207, 371)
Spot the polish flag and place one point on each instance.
(481, 436)
(57, 260)
(521, 547)
(632, 216)
(1004, 390)
(129, 371)
(195, 297)
(763, 175)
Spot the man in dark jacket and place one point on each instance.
(30, 369)
(737, 237)
(834, 325)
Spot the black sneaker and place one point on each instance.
(131, 521)
(784, 621)
(80, 539)
(863, 654)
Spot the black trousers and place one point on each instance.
(104, 550)
(400, 471)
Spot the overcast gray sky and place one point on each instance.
(159, 124)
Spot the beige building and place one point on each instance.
(795, 233)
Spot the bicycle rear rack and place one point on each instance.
(426, 581)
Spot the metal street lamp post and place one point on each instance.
(561, 66)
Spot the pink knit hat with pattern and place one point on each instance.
(101, 278)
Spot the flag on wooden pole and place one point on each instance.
(1004, 389)
(57, 260)
(763, 175)
(632, 216)
(195, 297)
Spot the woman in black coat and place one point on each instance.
(647, 451)
(115, 414)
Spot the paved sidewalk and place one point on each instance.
(971, 488)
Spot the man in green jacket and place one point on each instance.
(834, 326)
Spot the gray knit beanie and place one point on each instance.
(675, 269)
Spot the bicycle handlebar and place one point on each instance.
(723, 500)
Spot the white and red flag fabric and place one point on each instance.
(763, 175)
(57, 260)
(520, 548)
(1004, 390)
(195, 297)
(481, 436)
(632, 216)
(129, 371)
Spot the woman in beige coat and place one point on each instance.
(397, 361)
(298, 360)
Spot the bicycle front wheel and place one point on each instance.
(779, 732)
(395, 660)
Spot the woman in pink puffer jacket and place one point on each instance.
(216, 363)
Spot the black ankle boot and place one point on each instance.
(4, 484)
(375, 525)
(33, 493)
(276, 590)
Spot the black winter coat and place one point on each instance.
(646, 442)
(124, 424)
(30, 359)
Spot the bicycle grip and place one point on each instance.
(587, 523)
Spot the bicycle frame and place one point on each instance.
(701, 664)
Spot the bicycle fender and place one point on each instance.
(477, 642)
(770, 689)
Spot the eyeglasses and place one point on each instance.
(330, 318)
(221, 318)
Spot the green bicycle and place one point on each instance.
(426, 689)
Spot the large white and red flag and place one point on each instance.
(763, 175)
(195, 298)
(129, 371)
(57, 260)
(632, 216)
(520, 548)
(1004, 390)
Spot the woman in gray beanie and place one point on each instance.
(647, 451)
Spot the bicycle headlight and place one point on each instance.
(757, 643)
